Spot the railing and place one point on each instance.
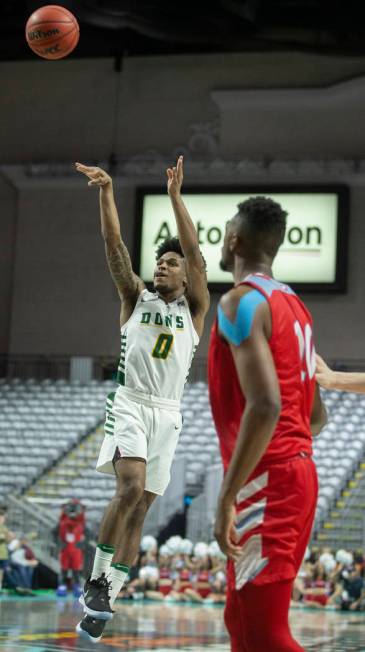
(198, 371)
(201, 514)
(170, 503)
(40, 527)
(35, 524)
(197, 526)
(56, 367)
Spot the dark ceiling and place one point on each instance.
(147, 27)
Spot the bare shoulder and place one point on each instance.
(129, 294)
(229, 302)
(129, 303)
(198, 306)
(255, 311)
(201, 306)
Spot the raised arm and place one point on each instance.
(197, 290)
(343, 381)
(129, 285)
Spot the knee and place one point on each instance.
(130, 492)
(137, 515)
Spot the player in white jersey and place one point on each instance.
(160, 331)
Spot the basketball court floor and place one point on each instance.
(47, 625)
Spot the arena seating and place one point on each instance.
(338, 453)
(46, 420)
(339, 449)
(76, 476)
(39, 423)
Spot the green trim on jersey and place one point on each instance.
(110, 419)
(121, 366)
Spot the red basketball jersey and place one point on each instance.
(292, 348)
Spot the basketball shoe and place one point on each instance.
(95, 599)
(91, 628)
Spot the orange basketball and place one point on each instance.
(52, 32)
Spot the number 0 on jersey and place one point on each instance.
(162, 346)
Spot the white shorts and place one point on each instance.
(141, 426)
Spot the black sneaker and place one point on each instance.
(91, 628)
(95, 598)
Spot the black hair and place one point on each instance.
(169, 244)
(264, 223)
(173, 244)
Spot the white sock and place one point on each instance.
(117, 575)
(103, 559)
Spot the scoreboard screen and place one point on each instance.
(313, 256)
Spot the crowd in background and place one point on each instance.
(17, 560)
(328, 580)
(181, 571)
(177, 571)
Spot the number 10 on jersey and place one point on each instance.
(306, 350)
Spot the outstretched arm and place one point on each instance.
(195, 265)
(319, 413)
(341, 380)
(129, 285)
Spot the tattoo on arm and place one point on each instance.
(120, 266)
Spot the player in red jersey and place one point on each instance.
(266, 407)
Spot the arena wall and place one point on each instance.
(55, 293)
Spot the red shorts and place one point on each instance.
(321, 599)
(275, 513)
(165, 589)
(71, 558)
(204, 591)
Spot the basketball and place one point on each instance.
(52, 32)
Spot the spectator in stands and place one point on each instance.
(218, 585)
(349, 581)
(343, 381)
(305, 573)
(22, 563)
(201, 587)
(356, 589)
(350, 593)
(319, 588)
(167, 575)
(148, 575)
(217, 578)
(182, 585)
(149, 582)
(200, 567)
(149, 551)
(5, 538)
(132, 588)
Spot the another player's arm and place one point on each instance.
(319, 413)
(128, 284)
(195, 265)
(341, 380)
(245, 322)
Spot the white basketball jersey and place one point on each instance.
(158, 343)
